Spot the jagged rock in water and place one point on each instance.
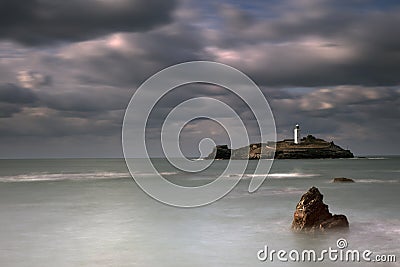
(342, 180)
(312, 214)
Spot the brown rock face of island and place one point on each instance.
(313, 215)
(309, 148)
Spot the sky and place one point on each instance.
(69, 68)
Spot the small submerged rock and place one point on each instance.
(342, 180)
(312, 214)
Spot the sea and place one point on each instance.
(90, 212)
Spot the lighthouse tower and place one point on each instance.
(297, 134)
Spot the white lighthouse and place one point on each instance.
(297, 134)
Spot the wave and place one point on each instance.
(278, 175)
(291, 175)
(369, 181)
(168, 173)
(371, 158)
(33, 177)
(153, 174)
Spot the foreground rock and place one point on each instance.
(312, 214)
(342, 180)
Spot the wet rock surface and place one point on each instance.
(312, 214)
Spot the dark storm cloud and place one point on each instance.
(292, 20)
(47, 123)
(13, 98)
(143, 55)
(75, 101)
(7, 109)
(61, 114)
(87, 100)
(42, 22)
(11, 93)
(304, 44)
(314, 43)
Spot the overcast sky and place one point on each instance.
(69, 68)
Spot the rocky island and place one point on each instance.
(308, 147)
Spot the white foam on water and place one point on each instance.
(152, 174)
(33, 177)
(365, 158)
(280, 175)
(369, 181)
(168, 173)
(291, 175)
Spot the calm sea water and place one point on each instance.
(89, 212)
